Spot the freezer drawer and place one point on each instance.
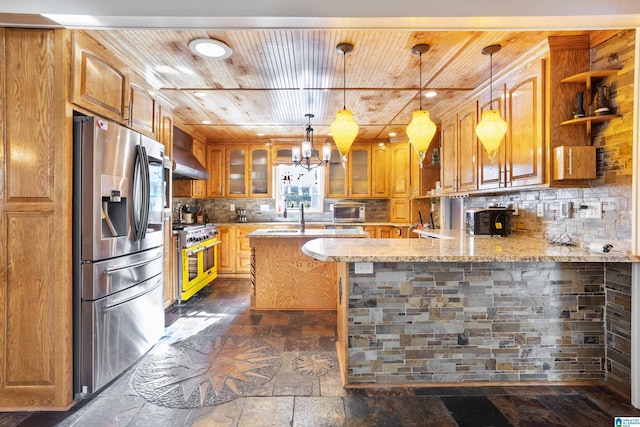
(117, 331)
(116, 274)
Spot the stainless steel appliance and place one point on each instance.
(488, 222)
(197, 257)
(118, 200)
(348, 212)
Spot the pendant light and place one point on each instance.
(421, 129)
(344, 129)
(301, 156)
(492, 127)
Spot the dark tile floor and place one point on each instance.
(220, 364)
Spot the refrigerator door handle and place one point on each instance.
(109, 271)
(142, 190)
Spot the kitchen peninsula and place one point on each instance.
(283, 278)
(472, 310)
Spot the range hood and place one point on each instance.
(186, 166)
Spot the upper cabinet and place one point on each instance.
(380, 171)
(248, 170)
(354, 178)
(102, 84)
(460, 150)
(520, 160)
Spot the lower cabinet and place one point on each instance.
(227, 249)
(342, 344)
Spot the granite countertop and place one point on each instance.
(312, 223)
(279, 233)
(457, 247)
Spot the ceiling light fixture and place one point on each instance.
(210, 48)
(421, 129)
(301, 156)
(344, 129)
(492, 127)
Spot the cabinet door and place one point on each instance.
(468, 148)
(141, 110)
(448, 155)
(98, 83)
(399, 210)
(170, 264)
(215, 167)
(400, 170)
(336, 178)
(359, 166)
(199, 186)
(243, 249)
(379, 171)
(260, 182)
(164, 127)
(525, 159)
(227, 249)
(236, 162)
(35, 213)
(342, 345)
(491, 174)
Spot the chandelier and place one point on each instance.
(302, 156)
(421, 129)
(344, 129)
(492, 127)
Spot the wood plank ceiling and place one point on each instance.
(276, 76)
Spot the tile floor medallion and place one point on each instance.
(206, 370)
(314, 364)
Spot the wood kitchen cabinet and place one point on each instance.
(399, 210)
(353, 180)
(36, 356)
(520, 159)
(164, 126)
(459, 151)
(227, 249)
(215, 167)
(103, 85)
(380, 171)
(248, 171)
(401, 169)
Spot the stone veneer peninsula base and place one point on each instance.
(434, 320)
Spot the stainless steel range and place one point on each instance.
(197, 257)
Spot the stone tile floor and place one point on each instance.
(220, 364)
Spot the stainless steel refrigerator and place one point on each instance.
(118, 201)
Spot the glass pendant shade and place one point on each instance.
(491, 129)
(344, 131)
(421, 131)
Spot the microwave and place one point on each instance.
(348, 212)
(488, 222)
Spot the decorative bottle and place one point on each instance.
(579, 111)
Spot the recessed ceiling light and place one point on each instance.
(199, 94)
(392, 134)
(430, 94)
(260, 134)
(210, 48)
(205, 122)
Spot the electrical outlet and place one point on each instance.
(264, 208)
(540, 210)
(364, 268)
(593, 210)
(565, 209)
(232, 207)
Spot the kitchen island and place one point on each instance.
(283, 278)
(473, 310)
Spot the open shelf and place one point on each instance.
(590, 119)
(590, 75)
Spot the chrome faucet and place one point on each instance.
(300, 204)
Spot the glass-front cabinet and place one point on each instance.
(248, 171)
(353, 180)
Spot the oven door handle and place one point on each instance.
(213, 244)
(109, 271)
(200, 249)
